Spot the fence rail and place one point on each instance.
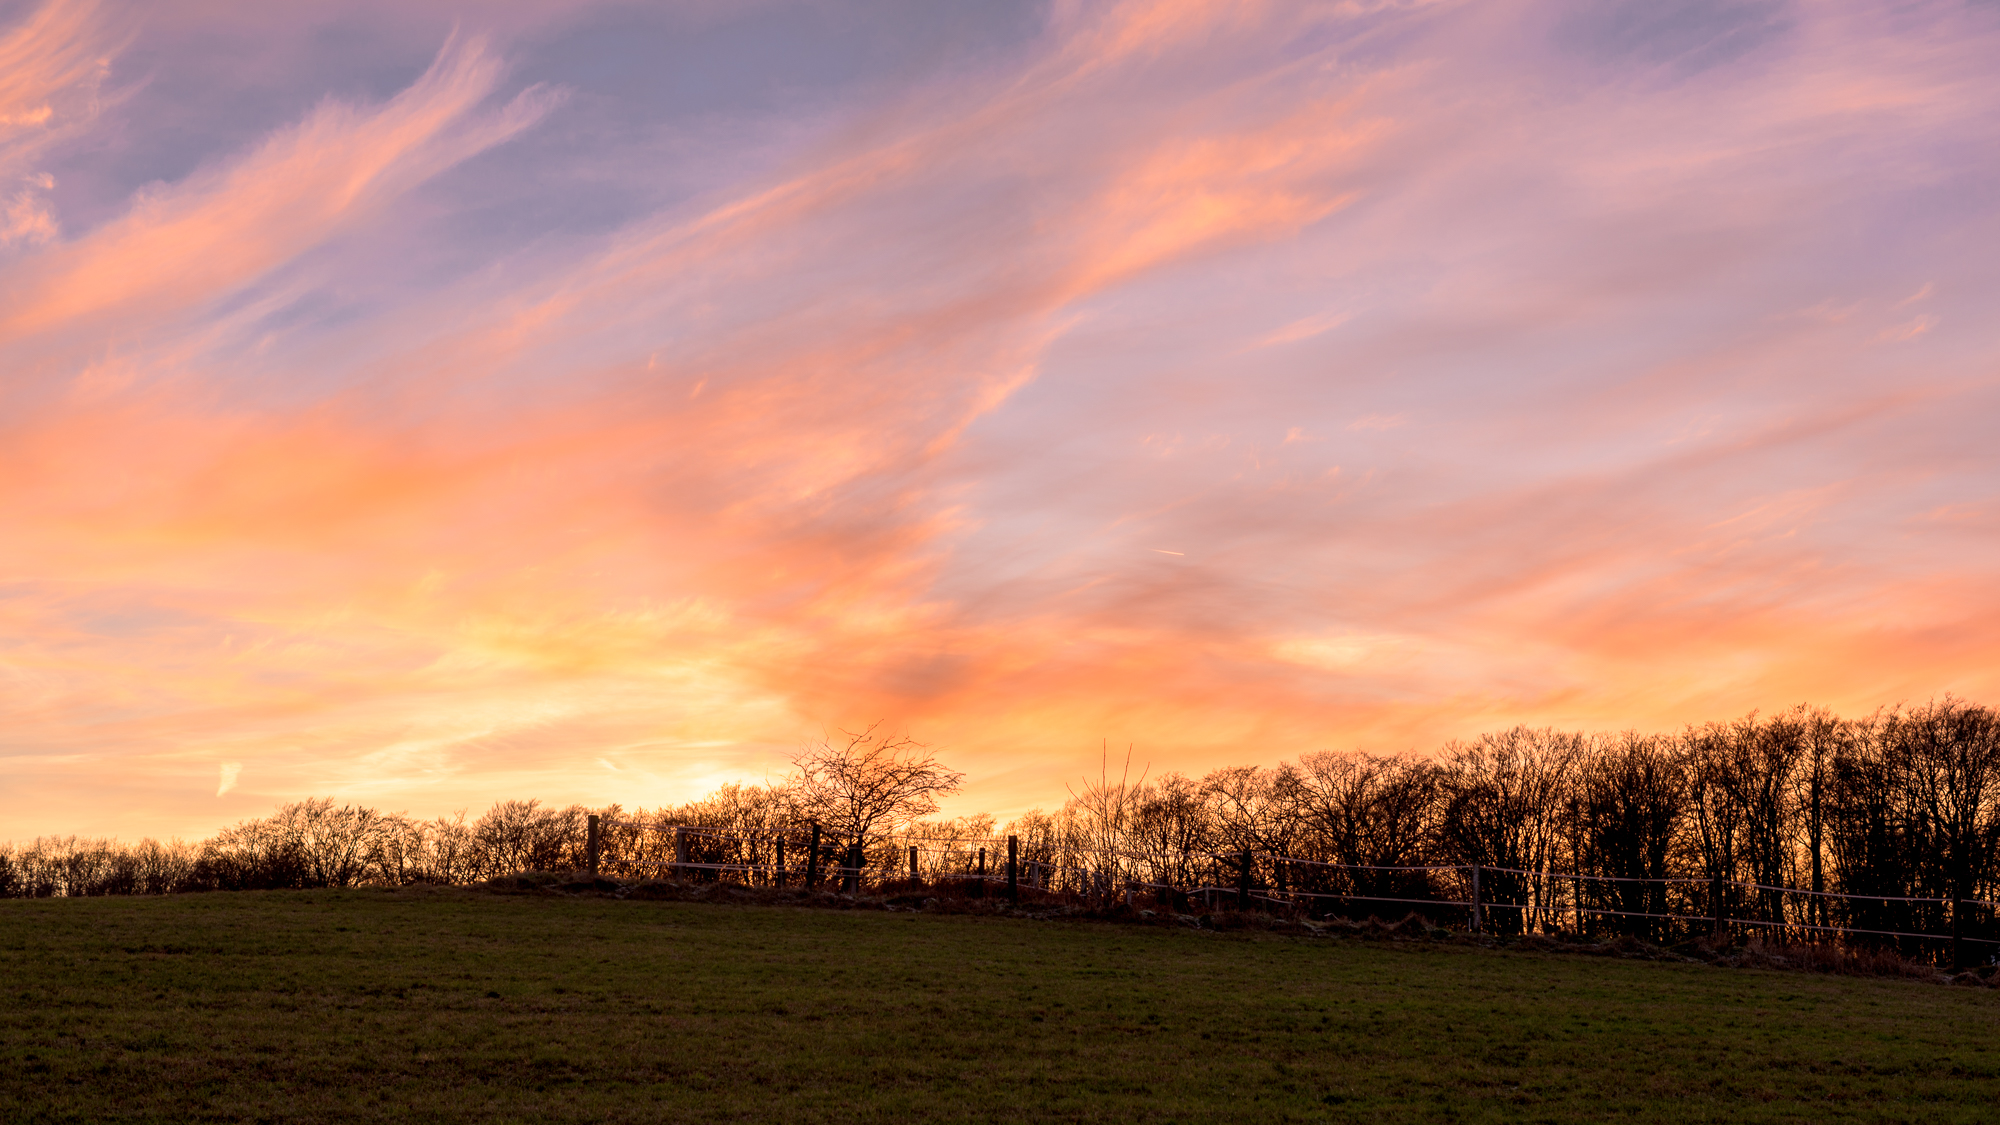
(1475, 896)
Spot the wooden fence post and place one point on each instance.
(913, 863)
(1478, 915)
(781, 861)
(1243, 881)
(590, 839)
(979, 884)
(854, 858)
(1014, 868)
(680, 848)
(812, 859)
(1957, 953)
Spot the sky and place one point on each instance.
(425, 404)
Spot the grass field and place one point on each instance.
(358, 1005)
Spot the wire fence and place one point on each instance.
(1478, 898)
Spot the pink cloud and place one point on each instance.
(230, 224)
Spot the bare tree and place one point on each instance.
(1100, 819)
(507, 836)
(948, 848)
(257, 854)
(517, 836)
(1765, 757)
(1868, 828)
(1715, 795)
(1254, 807)
(1368, 812)
(336, 842)
(1632, 801)
(451, 853)
(868, 785)
(1504, 802)
(1824, 737)
(162, 868)
(740, 821)
(1169, 827)
(1951, 751)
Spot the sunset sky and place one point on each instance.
(425, 404)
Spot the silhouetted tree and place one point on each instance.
(867, 784)
(1361, 810)
(1633, 800)
(1504, 801)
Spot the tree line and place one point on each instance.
(1762, 820)
(869, 786)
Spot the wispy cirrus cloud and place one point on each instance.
(51, 63)
(226, 226)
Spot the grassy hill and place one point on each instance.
(358, 1005)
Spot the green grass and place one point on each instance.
(309, 1006)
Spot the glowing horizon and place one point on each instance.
(430, 404)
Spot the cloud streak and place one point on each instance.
(224, 227)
